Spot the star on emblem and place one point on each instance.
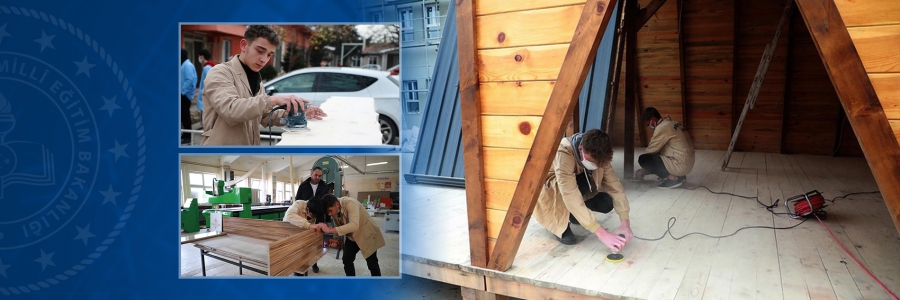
(119, 150)
(84, 67)
(45, 41)
(108, 196)
(85, 233)
(110, 105)
(45, 259)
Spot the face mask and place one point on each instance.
(652, 126)
(586, 163)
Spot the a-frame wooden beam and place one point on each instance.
(473, 153)
(581, 52)
(858, 97)
(647, 12)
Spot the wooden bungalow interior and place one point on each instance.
(832, 89)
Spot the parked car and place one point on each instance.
(371, 67)
(319, 84)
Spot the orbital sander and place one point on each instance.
(615, 256)
(293, 121)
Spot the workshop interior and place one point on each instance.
(233, 207)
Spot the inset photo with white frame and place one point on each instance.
(289, 84)
(249, 215)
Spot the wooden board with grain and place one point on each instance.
(505, 164)
(499, 193)
(526, 28)
(261, 229)
(494, 7)
(509, 131)
(531, 97)
(494, 222)
(887, 86)
(296, 253)
(878, 47)
(540, 62)
(869, 12)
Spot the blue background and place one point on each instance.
(133, 251)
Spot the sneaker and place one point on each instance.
(568, 238)
(639, 174)
(670, 184)
(315, 268)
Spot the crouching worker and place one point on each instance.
(670, 154)
(581, 182)
(298, 215)
(351, 220)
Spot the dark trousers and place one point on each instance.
(653, 164)
(185, 116)
(350, 251)
(602, 202)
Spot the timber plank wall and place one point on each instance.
(874, 26)
(797, 110)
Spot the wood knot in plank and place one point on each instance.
(517, 222)
(501, 37)
(601, 7)
(525, 128)
(519, 57)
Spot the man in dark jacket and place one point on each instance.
(312, 186)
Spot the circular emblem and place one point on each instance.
(72, 150)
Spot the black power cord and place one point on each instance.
(270, 123)
(851, 194)
(672, 220)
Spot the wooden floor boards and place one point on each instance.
(799, 263)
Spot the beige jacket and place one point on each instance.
(296, 215)
(674, 145)
(356, 223)
(231, 114)
(560, 195)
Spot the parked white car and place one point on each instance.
(319, 84)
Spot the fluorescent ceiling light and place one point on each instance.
(375, 164)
